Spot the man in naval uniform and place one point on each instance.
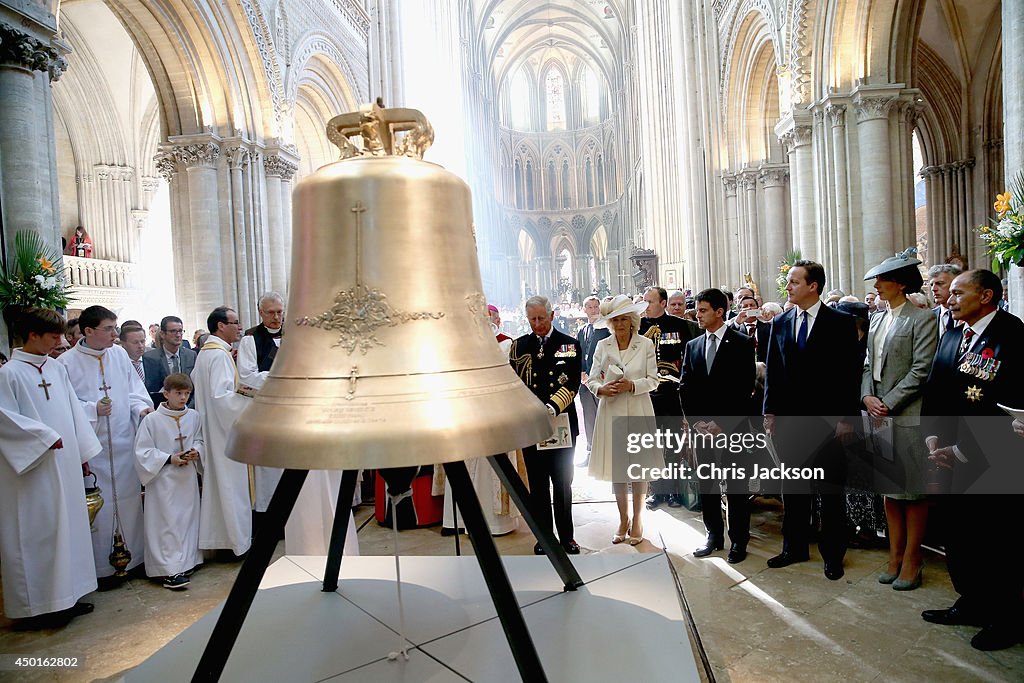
(670, 335)
(550, 362)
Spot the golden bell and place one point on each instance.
(388, 358)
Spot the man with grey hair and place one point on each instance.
(256, 353)
(940, 277)
(550, 364)
(677, 303)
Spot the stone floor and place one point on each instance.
(755, 624)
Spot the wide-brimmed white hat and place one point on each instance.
(619, 305)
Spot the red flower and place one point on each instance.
(987, 353)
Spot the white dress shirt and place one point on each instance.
(812, 315)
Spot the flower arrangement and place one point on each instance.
(784, 267)
(1005, 234)
(32, 278)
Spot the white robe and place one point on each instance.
(46, 559)
(308, 530)
(225, 515)
(130, 398)
(488, 489)
(266, 478)
(172, 492)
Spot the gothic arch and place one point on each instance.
(214, 66)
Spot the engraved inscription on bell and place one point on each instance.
(358, 313)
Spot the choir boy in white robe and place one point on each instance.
(114, 398)
(46, 560)
(225, 515)
(168, 449)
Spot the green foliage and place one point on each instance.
(1005, 233)
(784, 266)
(33, 277)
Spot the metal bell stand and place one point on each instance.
(229, 624)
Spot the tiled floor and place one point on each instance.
(755, 624)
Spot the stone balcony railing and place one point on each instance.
(92, 272)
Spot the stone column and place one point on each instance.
(775, 237)
(750, 236)
(238, 159)
(876, 177)
(929, 174)
(801, 168)
(181, 238)
(28, 185)
(837, 120)
(1013, 119)
(728, 245)
(208, 284)
(277, 168)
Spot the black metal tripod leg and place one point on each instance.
(340, 529)
(225, 632)
(518, 636)
(559, 559)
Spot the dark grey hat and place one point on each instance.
(900, 260)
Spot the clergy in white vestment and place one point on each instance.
(225, 514)
(114, 399)
(256, 353)
(46, 560)
(501, 514)
(308, 530)
(168, 450)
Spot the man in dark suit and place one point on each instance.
(550, 362)
(589, 336)
(751, 325)
(669, 335)
(940, 277)
(716, 383)
(814, 366)
(169, 358)
(979, 364)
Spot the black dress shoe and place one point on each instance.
(537, 550)
(786, 558)
(572, 547)
(737, 553)
(710, 546)
(834, 570)
(997, 637)
(954, 616)
(675, 501)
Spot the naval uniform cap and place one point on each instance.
(899, 261)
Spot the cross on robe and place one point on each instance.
(181, 441)
(46, 387)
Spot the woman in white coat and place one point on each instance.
(624, 372)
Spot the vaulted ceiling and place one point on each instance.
(511, 32)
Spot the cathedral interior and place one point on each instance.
(609, 145)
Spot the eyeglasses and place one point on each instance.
(107, 328)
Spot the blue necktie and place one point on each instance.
(801, 335)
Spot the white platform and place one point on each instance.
(625, 624)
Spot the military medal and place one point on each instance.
(973, 393)
(562, 379)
